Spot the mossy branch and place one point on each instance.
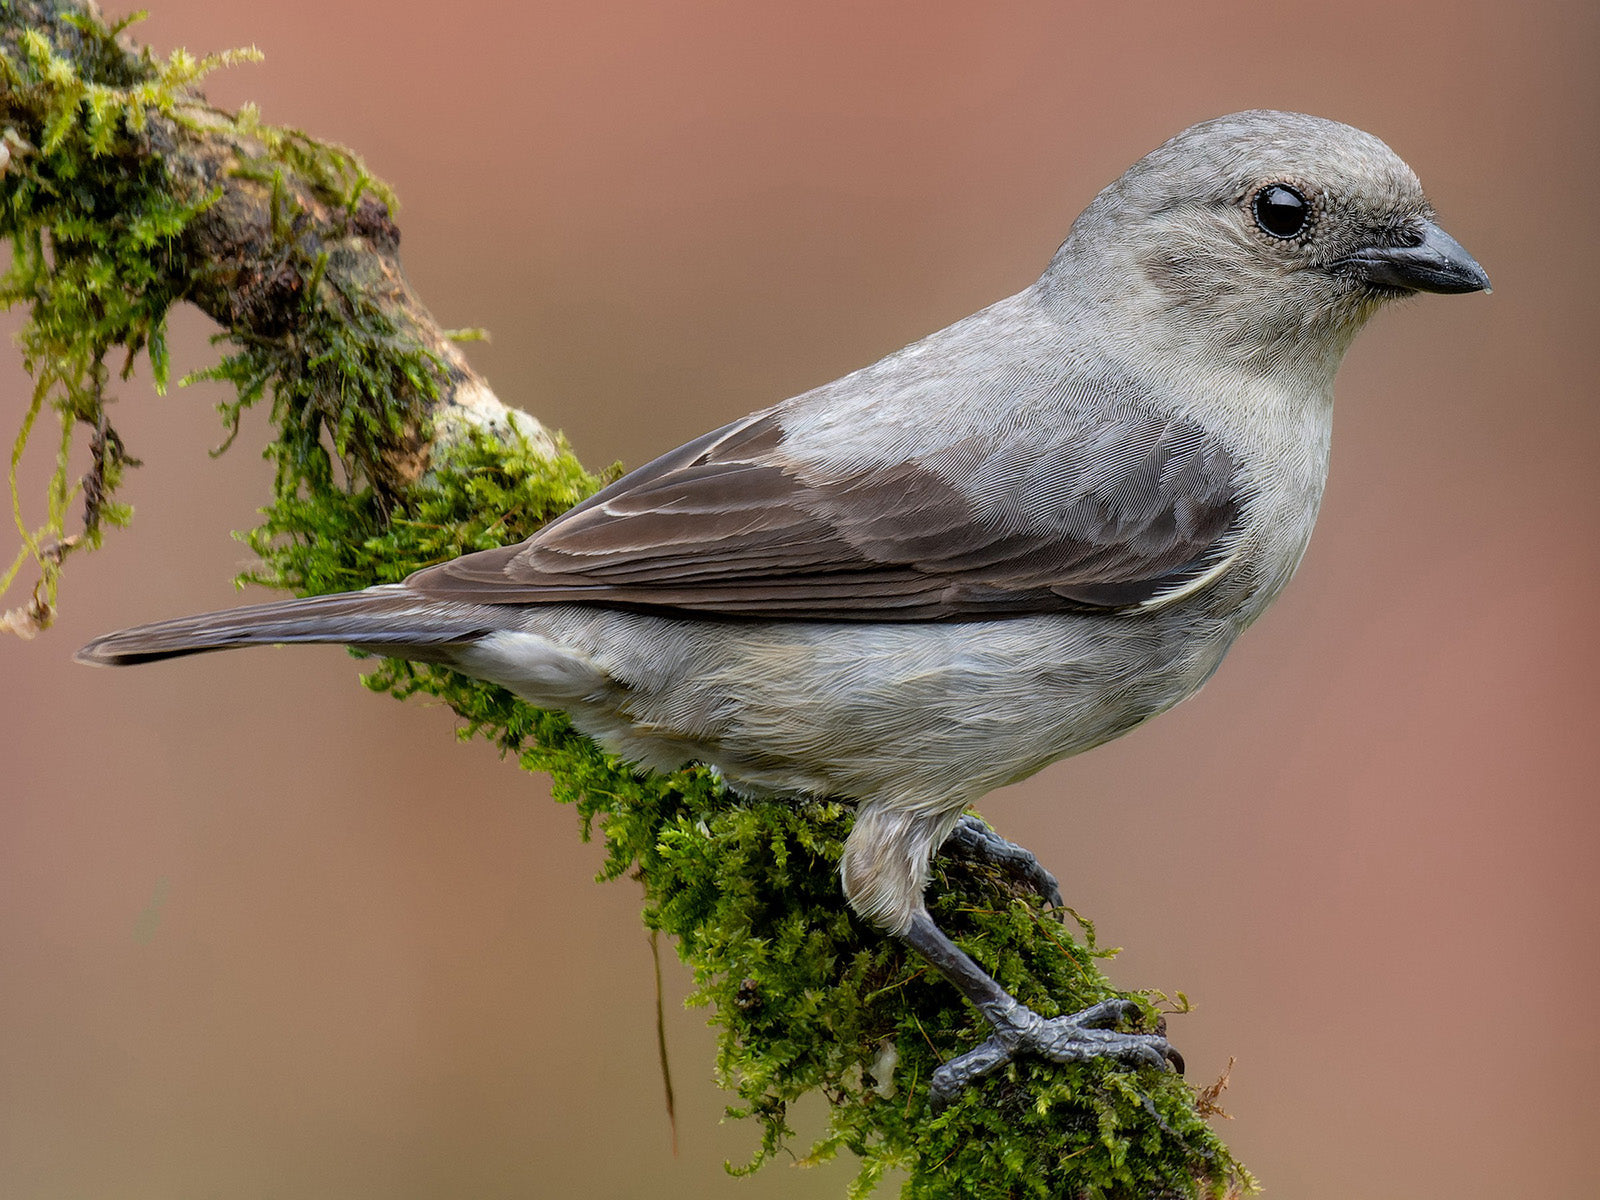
(123, 193)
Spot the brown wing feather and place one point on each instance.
(1107, 516)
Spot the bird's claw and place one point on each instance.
(974, 841)
(1077, 1037)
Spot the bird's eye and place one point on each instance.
(1280, 210)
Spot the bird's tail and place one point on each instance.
(390, 619)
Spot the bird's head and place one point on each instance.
(1263, 236)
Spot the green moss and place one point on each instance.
(339, 369)
(98, 257)
(345, 379)
(805, 998)
(94, 230)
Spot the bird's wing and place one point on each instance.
(1113, 509)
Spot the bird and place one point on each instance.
(1009, 542)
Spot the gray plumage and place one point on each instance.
(1009, 542)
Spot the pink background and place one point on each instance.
(264, 934)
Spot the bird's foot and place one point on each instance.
(1088, 1034)
(974, 841)
(1077, 1037)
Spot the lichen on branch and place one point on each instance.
(124, 193)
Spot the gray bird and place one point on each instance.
(1006, 543)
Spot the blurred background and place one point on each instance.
(267, 935)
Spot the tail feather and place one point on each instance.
(388, 618)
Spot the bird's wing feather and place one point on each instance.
(1120, 505)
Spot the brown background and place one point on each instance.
(263, 934)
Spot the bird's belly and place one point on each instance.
(928, 715)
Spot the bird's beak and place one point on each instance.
(1435, 264)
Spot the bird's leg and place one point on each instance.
(1019, 1030)
(974, 841)
(885, 870)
